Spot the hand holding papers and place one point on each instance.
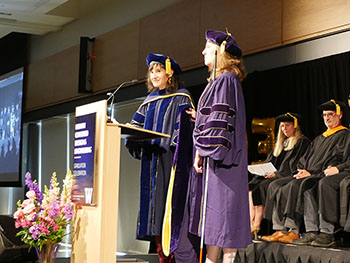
(262, 169)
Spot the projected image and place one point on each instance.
(10, 126)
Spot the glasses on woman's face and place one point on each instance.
(329, 114)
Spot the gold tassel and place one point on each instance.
(295, 119)
(222, 47)
(223, 44)
(168, 66)
(337, 107)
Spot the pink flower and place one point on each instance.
(42, 216)
(54, 226)
(44, 229)
(18, 214)
(29, 208)
(18, 224)
(48, 219)
(27, 202)
(22, 223)
(30, 194)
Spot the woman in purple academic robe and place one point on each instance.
(220, 137)
(159, 112)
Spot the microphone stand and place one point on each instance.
(111, 97)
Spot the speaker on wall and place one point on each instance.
(85, 64)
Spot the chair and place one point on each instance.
(12, 249)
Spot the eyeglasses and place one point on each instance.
(330, 114)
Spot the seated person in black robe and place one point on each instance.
(326, 150)
(344, 189)
(321, 206)
(291, 144)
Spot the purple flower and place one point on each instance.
(51, 183)
(68, 211)
(34, 217)
(33, 187)
(54, 209)
(44, 209)
(34, 230)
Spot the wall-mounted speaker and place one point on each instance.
(85, 64)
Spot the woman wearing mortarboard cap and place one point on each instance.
(159, 112)
(290, 145)
(219, 136)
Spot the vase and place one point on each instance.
(48, 253)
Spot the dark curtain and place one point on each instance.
(298, 88)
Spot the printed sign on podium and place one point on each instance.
(84, 159)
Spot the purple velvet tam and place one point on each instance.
(218, 37)
(159, 58)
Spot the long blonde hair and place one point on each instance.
(228, 63)
(285, 143)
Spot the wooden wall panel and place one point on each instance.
(178, 31)
(173, 32)
(55, 79)
(256, 25)
(66, 74)
(304, 19)
(39, 84)
(52, 80)
(116, 57)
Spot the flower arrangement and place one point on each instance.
(44, 217)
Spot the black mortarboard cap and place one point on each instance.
(290, 117)
(333, 105)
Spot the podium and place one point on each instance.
(94, 227)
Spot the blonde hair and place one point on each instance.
(172, 87)
(285, 143)
(228, 63)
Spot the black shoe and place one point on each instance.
(306, 239)
(324, 240)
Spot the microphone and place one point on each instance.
(111, 97)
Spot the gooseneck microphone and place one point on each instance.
(111, 97)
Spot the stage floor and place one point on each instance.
(266, 252)
(139, 258)
(262, 252)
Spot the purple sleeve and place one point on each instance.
(215, 134)
(139, 117)
(184, 103)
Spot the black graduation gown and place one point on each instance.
(325, 189)
(323, 151)
(345, 203)
(285, 164)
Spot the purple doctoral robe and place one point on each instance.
(220, 134)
